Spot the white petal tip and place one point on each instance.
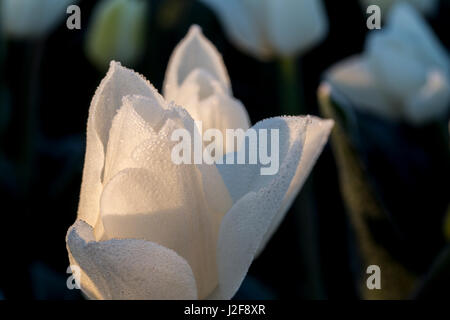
(114, 64)
(195, 30)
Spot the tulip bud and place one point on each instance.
(31, 18)
(117, 32)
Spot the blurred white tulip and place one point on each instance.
(32, 18)
(267, 28)
(117, 31)
(150, 229)
(404, 73)
(424, 6)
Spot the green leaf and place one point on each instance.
(366, 212)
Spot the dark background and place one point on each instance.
(49, 85)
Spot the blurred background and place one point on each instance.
(49, 74)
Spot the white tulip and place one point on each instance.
(150, 229)
(424, 6)
(32, 18)
(267, 28)
(404, 73)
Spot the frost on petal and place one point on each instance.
(193, 52)
(317, 133)
(241, 179)
(128, 268)
(295, 26)
(119, 82)
(162, 202)
(206, 101)
(137, 120)
(165, 209)
(243, 228)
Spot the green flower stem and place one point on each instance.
(305, 217)
(291, 103)
(291, 93)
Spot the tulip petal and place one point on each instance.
(193, 52)
(241, 179)
(353, 78)
(172, 209)
(206, 101)
(431, 100)
(137, 120)
(159, 150)
(398, 72)
(165, 209)
(241, 25)
(408, 26)
(118, 83)
(129, 268)
(244, 227)
(91, 184)
(295, 26)
(317, 133)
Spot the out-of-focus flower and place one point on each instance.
(150, 229)
(117, 31)
(424, 6)
(31, 18)
(404, 73)
(266, 28)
